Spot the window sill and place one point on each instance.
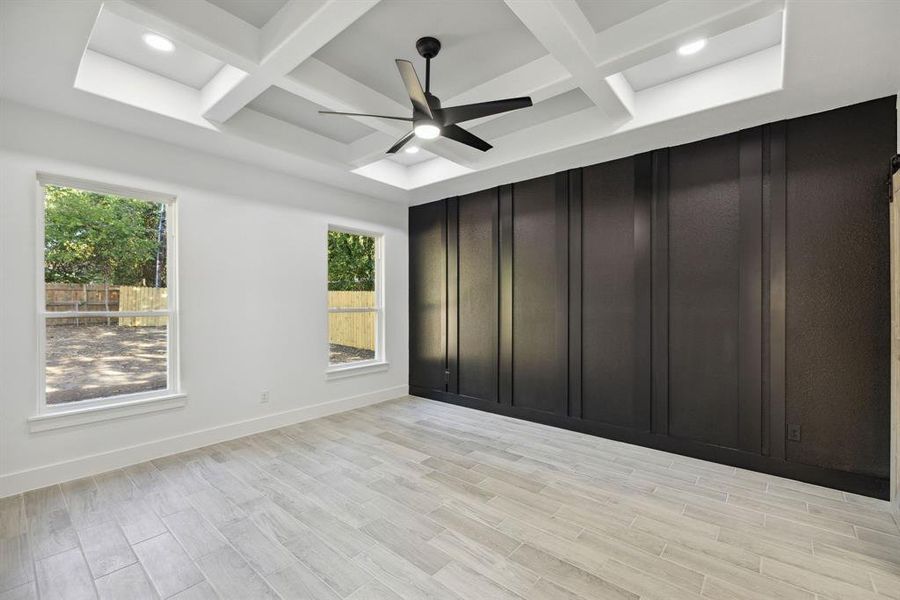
(359, 369)
(93, 414)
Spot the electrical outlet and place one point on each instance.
(264, 397)
(793, 433)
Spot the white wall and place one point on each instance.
(252, 259)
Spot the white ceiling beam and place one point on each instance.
(227, 77)
(292, 36)
(622, 89)
(565, 32)
(281, 27)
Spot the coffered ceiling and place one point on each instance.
(247, 79)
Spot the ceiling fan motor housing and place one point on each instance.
(434, 103)
(428, 47)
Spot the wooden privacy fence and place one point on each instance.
(357, 329)
(62, 297)
(142, 298)
(87, 298)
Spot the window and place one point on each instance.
(355, 310)
(107, 295)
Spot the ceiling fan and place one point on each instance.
(429, 119)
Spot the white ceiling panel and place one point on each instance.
(255, 12)
(603, 14)
(480, 40)
(122, 39)
(720, 49)
(551, 108)
(285, 106)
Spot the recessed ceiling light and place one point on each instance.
(158, 42)
(692, 47)
(427, 131)
(412, 149)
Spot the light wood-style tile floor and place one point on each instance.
(417, 499)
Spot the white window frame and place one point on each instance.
(379, 363)
(97, 409)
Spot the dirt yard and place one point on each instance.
(98, 361)
(344, 354)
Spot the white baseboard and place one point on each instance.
(30, 479)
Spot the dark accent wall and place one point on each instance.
(428, 296)
(838, 274)
(479, 307)
(540, 295)
(614, 298)
(702, 299)
(704, 290)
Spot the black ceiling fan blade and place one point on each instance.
(413, 87)
(467, 112)
(350, 114)
(400, 143)
(457, 133)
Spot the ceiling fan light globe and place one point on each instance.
(427, 131)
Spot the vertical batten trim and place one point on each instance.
(576, 274)
(777, 286)
(452, 378)
(643, 281)
(562, 285)
(496, 271)
(766, 408)
(505, 201)
(660, 293)
(444, 297)
(750, 299)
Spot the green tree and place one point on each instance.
(351, 262)
(101, 238)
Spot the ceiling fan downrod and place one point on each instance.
(428, 47)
